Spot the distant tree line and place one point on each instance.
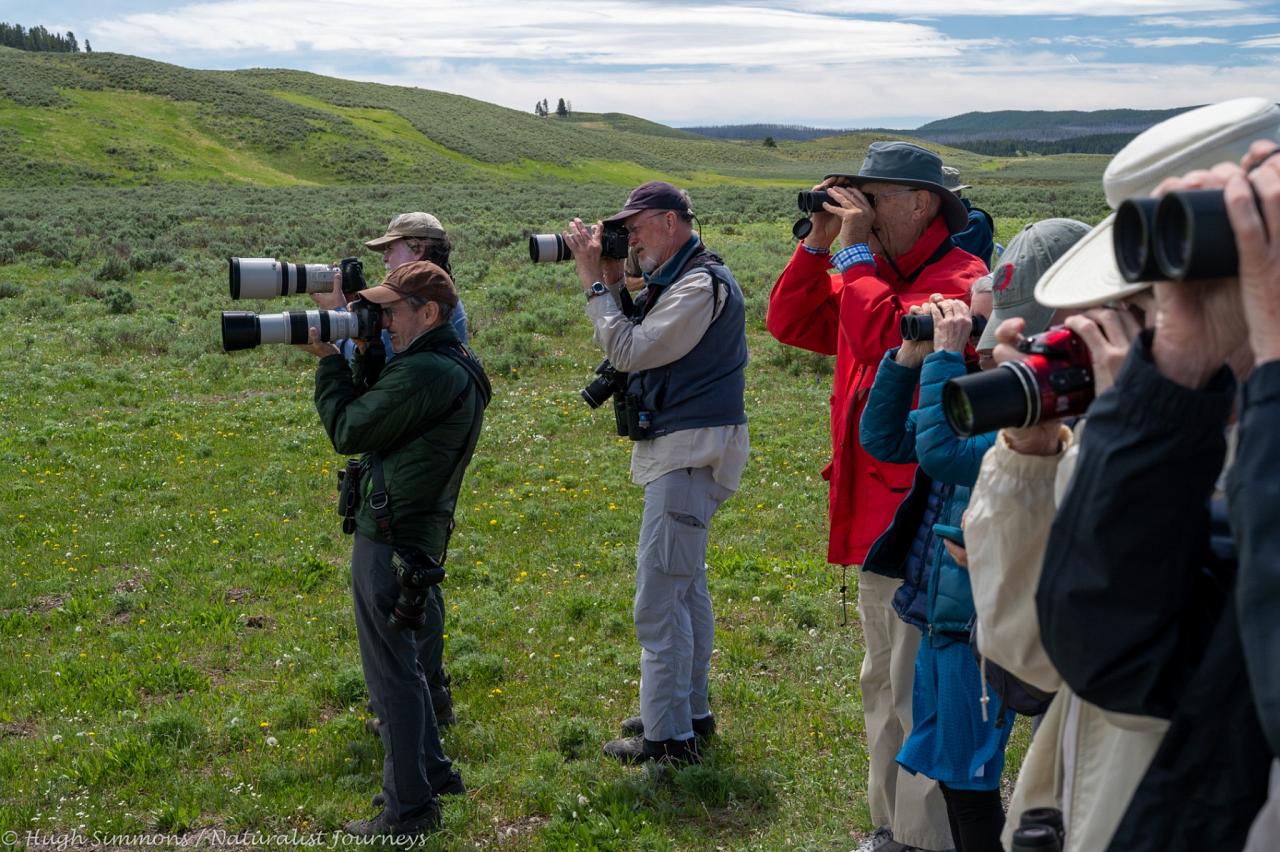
(39, 39)
(789, 132)
(1100, 143)
(563, 108)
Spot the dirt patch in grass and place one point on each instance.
(46, 604)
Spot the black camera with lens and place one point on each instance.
(630, 420)
(246, 330)
(1055, 380)
(417, 573)
(551, 248)
(1184, 236)
(920, 327)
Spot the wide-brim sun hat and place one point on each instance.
(910, 165)
(1087, 275)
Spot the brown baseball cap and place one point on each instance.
(409, 225)
(422, 278)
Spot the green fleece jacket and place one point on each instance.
(422, 470)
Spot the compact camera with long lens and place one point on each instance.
(551, 248)
(920, 327)
(267, 278)
(245, 329)
(1054, 380)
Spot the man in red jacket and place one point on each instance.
(894, 219)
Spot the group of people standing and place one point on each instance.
(991, 581)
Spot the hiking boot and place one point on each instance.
(383, 826)
(452, 787)
(639, 750)
(702, 728)
(881, 840)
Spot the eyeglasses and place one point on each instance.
(872, 196)
(636, 220)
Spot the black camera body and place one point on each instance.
(630, 420)
(417, 573)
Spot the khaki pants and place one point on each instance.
(911, 805)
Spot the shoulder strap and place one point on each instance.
(463, 357)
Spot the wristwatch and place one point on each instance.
(597, 288)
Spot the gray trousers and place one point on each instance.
(431, 650)
(672, 613)
(413, 758)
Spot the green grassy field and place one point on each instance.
(181, 647)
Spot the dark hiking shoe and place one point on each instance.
(702, 728)
(640, 750)
(383, 826)
(452, 787)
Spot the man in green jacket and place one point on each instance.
(418, 426)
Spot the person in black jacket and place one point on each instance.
(1137, 598)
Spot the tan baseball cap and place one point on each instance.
(409, 225)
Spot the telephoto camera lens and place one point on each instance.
(1047, 816)
(811, 201)
(1131, 235)
(267, 278)
(918, 327)
(602, 386)
(1193, 236)
(548, 248)
(245, 329)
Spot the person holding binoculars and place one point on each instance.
(1101, 561)
(894, 219)
(416, 429)
(683, 350)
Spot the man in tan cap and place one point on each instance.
(415, 428)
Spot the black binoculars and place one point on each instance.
(1180, 237)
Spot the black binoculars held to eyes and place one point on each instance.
(920, 327)
(1182, 236)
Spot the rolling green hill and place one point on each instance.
(115, 119)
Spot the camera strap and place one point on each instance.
(379, 501)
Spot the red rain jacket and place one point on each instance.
(856, 317)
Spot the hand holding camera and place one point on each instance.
(587, 246)
(1108, 333)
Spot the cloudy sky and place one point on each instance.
(831, 63)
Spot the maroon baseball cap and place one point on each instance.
(654, 195)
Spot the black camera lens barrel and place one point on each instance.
(1035, 838)
(919, 327)
(268, 278)
(246, 330)
(990, 400)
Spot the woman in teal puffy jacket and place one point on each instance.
(955, 739)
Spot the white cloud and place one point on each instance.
(1211, 22)
(1264, 41)
(1175, 41)
(573, 32)
(1002, 8)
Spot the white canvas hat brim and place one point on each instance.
(1087, 275)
